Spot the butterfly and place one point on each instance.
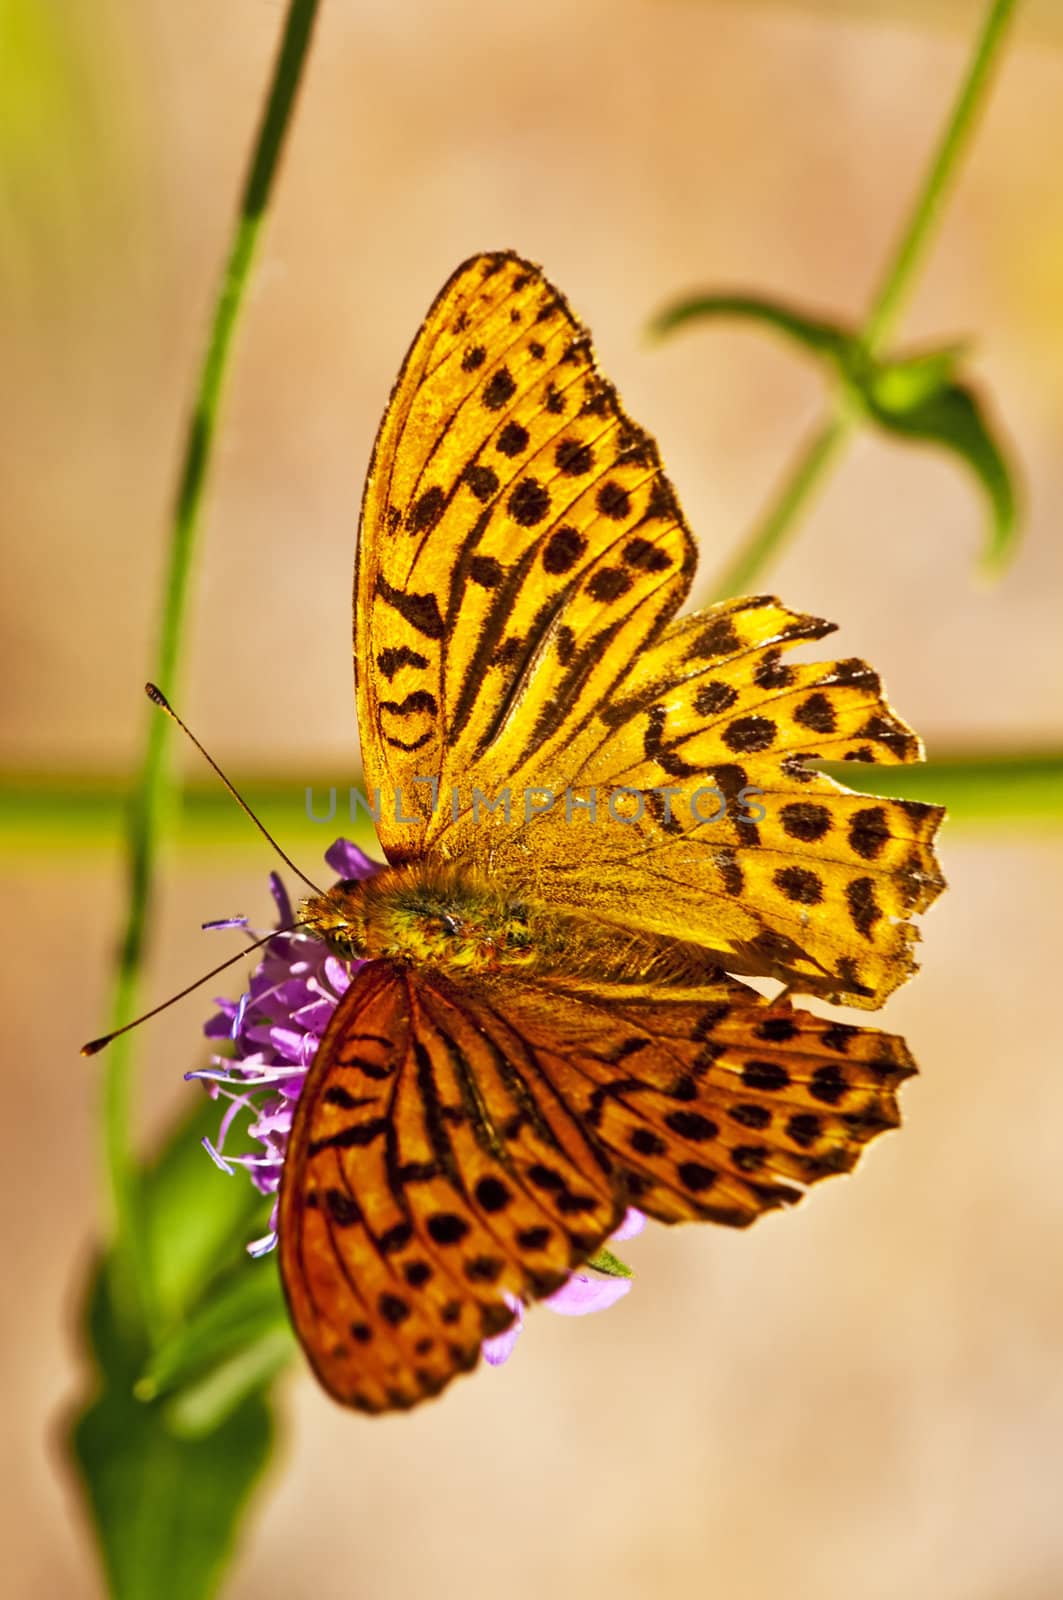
(598, 816)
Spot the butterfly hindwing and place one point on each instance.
(736, 843)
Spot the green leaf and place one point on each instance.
(952, 418)
(603, 1260)
(902, 384)
(199, 1220)
(244, 1309)
(165, 1507)
(823, 337)
(199, 1409)
(914, 396)
(166, 1482)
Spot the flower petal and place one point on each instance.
(500, 1347)
(316, 1016)
(241, 1013)
(581, 1295)
(630, 1228)
(218, 1160)
(347, 861)
(337, 976)
(280, 900)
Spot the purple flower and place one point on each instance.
(271, 1035)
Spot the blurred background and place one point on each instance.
(863, 1398)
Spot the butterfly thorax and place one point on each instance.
(454, 919)
(428, 915)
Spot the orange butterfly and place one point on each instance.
(592, 811)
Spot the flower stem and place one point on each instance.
(768, 535)
(153, 794)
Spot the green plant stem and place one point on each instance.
(796, 490)
(46, 822)
(956, 136)
(808, 471)
(153, 794)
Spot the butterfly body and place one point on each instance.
(547, 1028)
(437, 916)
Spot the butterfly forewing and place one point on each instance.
(738, 844)
(519, 546)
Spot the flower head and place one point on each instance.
(271, 1036)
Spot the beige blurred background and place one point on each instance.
(864, 1398)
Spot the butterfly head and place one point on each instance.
(338, 917)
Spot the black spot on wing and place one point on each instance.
(816, 713)
(718, 639)
(748, 735)
(863, 907)
(355, 1137)
(656, 749)
(483, 481)
(645, 555)
(869, 832)
(529, 503)
(805, 820)
(513, 440)
(800, 884)
(713, 698)
(499, 388)
(609, 583)
(485, 571)
(419, 700)
(613, 501)
(574, 458)
(770, 673)
(421, 611)
(427, 509)
(563, 549)
(391, 660)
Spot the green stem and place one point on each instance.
(153, 793)
(769, 534)
(797, 489)
(59, 819)
(912, 245)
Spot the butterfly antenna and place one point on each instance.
(95, 1045)
(156, 696)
